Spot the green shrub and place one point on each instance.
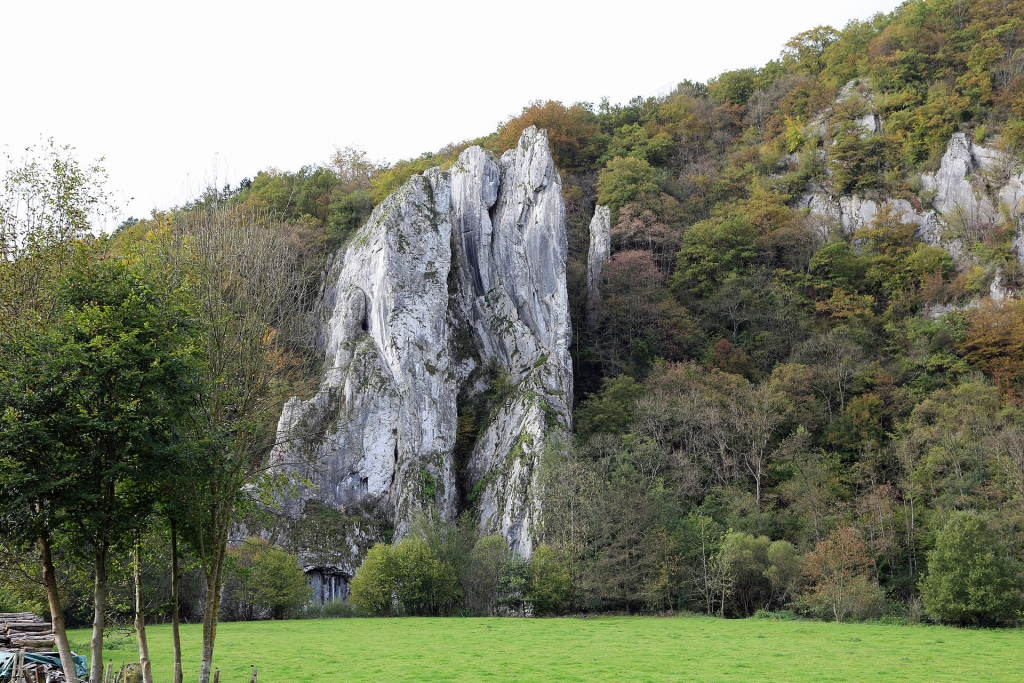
(14, 600)
(748, 565)
(549, 587)
(263, 580)
(1013, 131)
(407, 578)
(512, 584)
(609, 410)
(481, 574)
(625, 180)
(783, 570)
(347, 213)
(337, 609)
(278, 583)
(734, 86)
(780, 615)
(423, 584)
(972, 577)
(372, 588)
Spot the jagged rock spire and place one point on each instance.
(600, 250)
(455, 280)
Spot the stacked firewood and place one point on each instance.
(25, 631)
(22, 671)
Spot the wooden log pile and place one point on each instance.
(25, 631)
(23, 671)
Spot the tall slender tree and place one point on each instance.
(246, 273)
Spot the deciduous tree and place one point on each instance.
(837, 574)
(250, 284)
(972, 576)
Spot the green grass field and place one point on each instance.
(601, 649)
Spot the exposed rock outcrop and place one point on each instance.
(972, 188)
(382, 424)
(600, 250)
(851, 213)
(455, 284)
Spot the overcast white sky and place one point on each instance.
(167, 92)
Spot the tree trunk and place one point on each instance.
(211, 609)
(99, 603)
(176, 635)
(209, 629)
(757, 488)
(60, 636)
(140, 618)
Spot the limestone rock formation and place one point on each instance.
(972, 187)
(852, 212)
(600, 250)
(452, 295)
(384, 417)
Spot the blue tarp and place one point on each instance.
(49, 658)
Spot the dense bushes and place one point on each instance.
(263, 581)
(405, 579)
(440, 569)
(657, 506)
(972, 576)
(548, 587)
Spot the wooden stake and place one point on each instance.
(253, 679)
(109, 678)
(216, 676)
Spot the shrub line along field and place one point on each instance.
(635, 649)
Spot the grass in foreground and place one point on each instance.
(601, 649)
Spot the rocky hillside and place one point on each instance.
(974, 190)
(785, 302)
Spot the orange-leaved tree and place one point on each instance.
(837, 575)
(994, 344)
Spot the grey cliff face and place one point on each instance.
(457, 277)
(852, 213)
(600, 250)
(974, 184)
(381, 427)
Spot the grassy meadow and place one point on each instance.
(631, 649)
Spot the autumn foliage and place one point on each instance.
(994, 343)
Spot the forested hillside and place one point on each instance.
(777, 407)
(755, 368)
